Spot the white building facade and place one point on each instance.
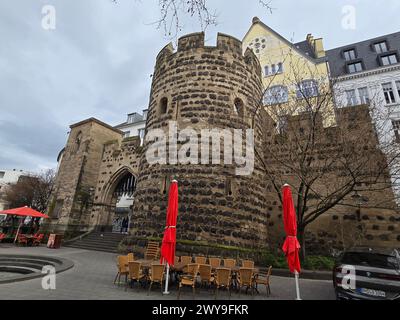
(134, 126)
(368, 72)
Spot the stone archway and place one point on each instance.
(119, 189)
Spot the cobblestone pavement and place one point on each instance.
(93, 274)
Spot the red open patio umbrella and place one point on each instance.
(169, 241)
(24, 212)
(291, 245)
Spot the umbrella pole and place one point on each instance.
(296, 276)
(16, 236)
(166, 280)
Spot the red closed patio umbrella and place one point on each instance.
(291, 245)
(169, 240)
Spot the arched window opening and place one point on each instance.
(163, 105)
(126, 186)
(78, 140)
(228, 187)
(239, 107)
(275, 95)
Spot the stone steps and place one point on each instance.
(105, 242)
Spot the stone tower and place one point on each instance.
(77, 177)
(203, 88)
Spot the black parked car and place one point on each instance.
(367, 274)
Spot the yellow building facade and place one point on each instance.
(291, 71)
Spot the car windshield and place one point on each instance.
(371, 260)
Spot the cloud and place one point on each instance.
(98, 60)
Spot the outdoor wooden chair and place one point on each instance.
(37, 240)
(248, 264)
(222, 280)
(2, 236)
(229, 263)
(130, 257)
(186, 259)
(215, 262)
(189, 279)
(200, 260)
(134, 273)
(22, 240)
(122, 265)
(156, 276)
(206, 276)
(265, 281)
(152, 251)
(245, 278)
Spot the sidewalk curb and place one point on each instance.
(305, 274)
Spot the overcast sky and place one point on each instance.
(98, 60)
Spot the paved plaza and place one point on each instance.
(93, 274)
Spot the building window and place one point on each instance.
(364, 95)
(388, 93)
(145, 112)
(266, 71)
(398, 87)
(78, 140)
(228, 187)
(2, 173)
(390, 59)
(127, 134)
(355, 67)
(307, 89)
(281, 124)
(350, 55)
(163, 105)
(380, 47)
(238, 107)
(396, 129)
(141, 136)
(276, 94)
(273, 69)
(351, 97)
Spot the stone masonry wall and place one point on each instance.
(78, 172)
(118, 159)
(376, 223)
(201, 85)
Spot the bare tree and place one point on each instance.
(33, 191)
(172, 12)
(326, 153)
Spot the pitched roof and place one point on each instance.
(365, 53)
(137, 118)
(303, 47)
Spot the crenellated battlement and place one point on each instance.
(191, 41)
(196, 40)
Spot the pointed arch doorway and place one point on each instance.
(116, 212)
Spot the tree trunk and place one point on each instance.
(301, 238)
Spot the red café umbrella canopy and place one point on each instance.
(25, 212)
(291, 246)
(169, 240)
